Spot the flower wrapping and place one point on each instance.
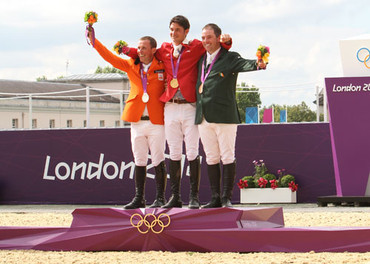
(90, 17)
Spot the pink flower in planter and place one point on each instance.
(243, 184)
(293, 186)
(274, 184)
(262, 182)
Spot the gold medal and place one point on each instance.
(145, 97)
(201, 88)
(174, 83)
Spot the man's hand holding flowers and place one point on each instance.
(263, 53)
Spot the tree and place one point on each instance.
(40, 79)
(108, 69)
(296, 113)
(301, 113)
(245, 98)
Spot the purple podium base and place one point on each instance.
(177, 229)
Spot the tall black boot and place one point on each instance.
(160, 182)
(194, 183)
(175, 180)
(229, 173)
(139, 200)
(214, 175)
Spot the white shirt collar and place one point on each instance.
(210, 57)
(146, 66)
(177, 48)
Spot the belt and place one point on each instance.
(144, 118)
(178, 101)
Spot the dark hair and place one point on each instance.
(182, 21)
(153, 42)
(215, 28)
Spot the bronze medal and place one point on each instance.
(201, 88)
(174, 83)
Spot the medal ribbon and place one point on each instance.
(90, 29)
(144, 78)
(175, 71)
(204, 77)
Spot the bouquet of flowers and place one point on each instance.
(263, 53)
(90, 17)
(120, 47)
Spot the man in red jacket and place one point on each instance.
(180, 58)
(145, 112)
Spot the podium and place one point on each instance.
(177, 229)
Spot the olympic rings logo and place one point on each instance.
(150, 224)
(367, 57)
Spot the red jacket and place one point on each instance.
(134, 107)
(188, 70)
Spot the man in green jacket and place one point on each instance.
(217, 112)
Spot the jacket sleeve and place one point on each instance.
(108, 56)
(133, 53)
(240, 64)
(227, 45)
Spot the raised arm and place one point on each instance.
(108, 56)
(226, 41)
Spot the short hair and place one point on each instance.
(152, 41)
(181, 20)
(215, 28)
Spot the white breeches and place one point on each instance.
(147, 137)
(180, 126)
(218, 142)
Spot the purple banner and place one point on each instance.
(95, 166)
(348, 100)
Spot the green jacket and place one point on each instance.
(217, 103)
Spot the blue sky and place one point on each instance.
(38, 37)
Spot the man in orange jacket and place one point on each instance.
(146, 113)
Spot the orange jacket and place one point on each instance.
(134, 107)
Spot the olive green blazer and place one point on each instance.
(217, 102)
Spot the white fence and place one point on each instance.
(59, 95)
(121, 93)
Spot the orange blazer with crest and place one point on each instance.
(134, 107)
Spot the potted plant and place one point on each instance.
(265, 187)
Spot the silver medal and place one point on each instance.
(145, 97)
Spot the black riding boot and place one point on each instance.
(160, 182)
(175, 181)
(229, 174)
(139, 200)
(214, 175)
(194, 183)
